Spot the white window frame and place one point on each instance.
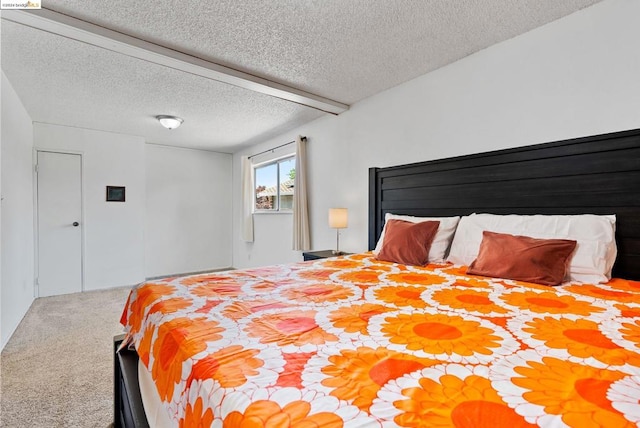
(276, 162)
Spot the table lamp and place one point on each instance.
(338, 219)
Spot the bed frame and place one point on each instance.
(128, 410)
(598, 175)
(591, 175)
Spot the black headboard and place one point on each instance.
(591, 175)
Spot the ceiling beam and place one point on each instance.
(82, 31)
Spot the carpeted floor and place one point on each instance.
(57, 369)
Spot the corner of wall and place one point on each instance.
(16, 213)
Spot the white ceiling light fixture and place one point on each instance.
(169, 122)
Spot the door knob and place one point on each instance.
(76, 224)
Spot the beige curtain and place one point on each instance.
(301, 236)
(247, 199)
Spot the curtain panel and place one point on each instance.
(247, 199)
(301, 235)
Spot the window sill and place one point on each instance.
(272, 212)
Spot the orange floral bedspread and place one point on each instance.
(359, 343)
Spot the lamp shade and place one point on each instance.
(169, 122)
(338, 218)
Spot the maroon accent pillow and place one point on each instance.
(543, 261)
(407, 242)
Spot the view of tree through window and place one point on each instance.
(274, 185)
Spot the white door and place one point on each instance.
(59, 223)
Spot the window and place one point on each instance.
(274, 185)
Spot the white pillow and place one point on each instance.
(440, 244)
(595, 236)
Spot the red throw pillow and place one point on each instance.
(408, 243)
(543, 261)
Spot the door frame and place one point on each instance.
(36, 214)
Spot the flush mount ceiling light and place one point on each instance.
(169, 122)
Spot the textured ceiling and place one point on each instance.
(342, 50)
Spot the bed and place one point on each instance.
(356, 341)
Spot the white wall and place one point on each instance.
(2, 79)
(113, 231)
(574, 77)
(188, 214)
(17, 219)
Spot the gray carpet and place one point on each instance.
(57, 369)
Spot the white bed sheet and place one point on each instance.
(156, 414)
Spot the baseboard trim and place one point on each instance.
(188, 273)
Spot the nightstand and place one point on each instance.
(323, 254)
